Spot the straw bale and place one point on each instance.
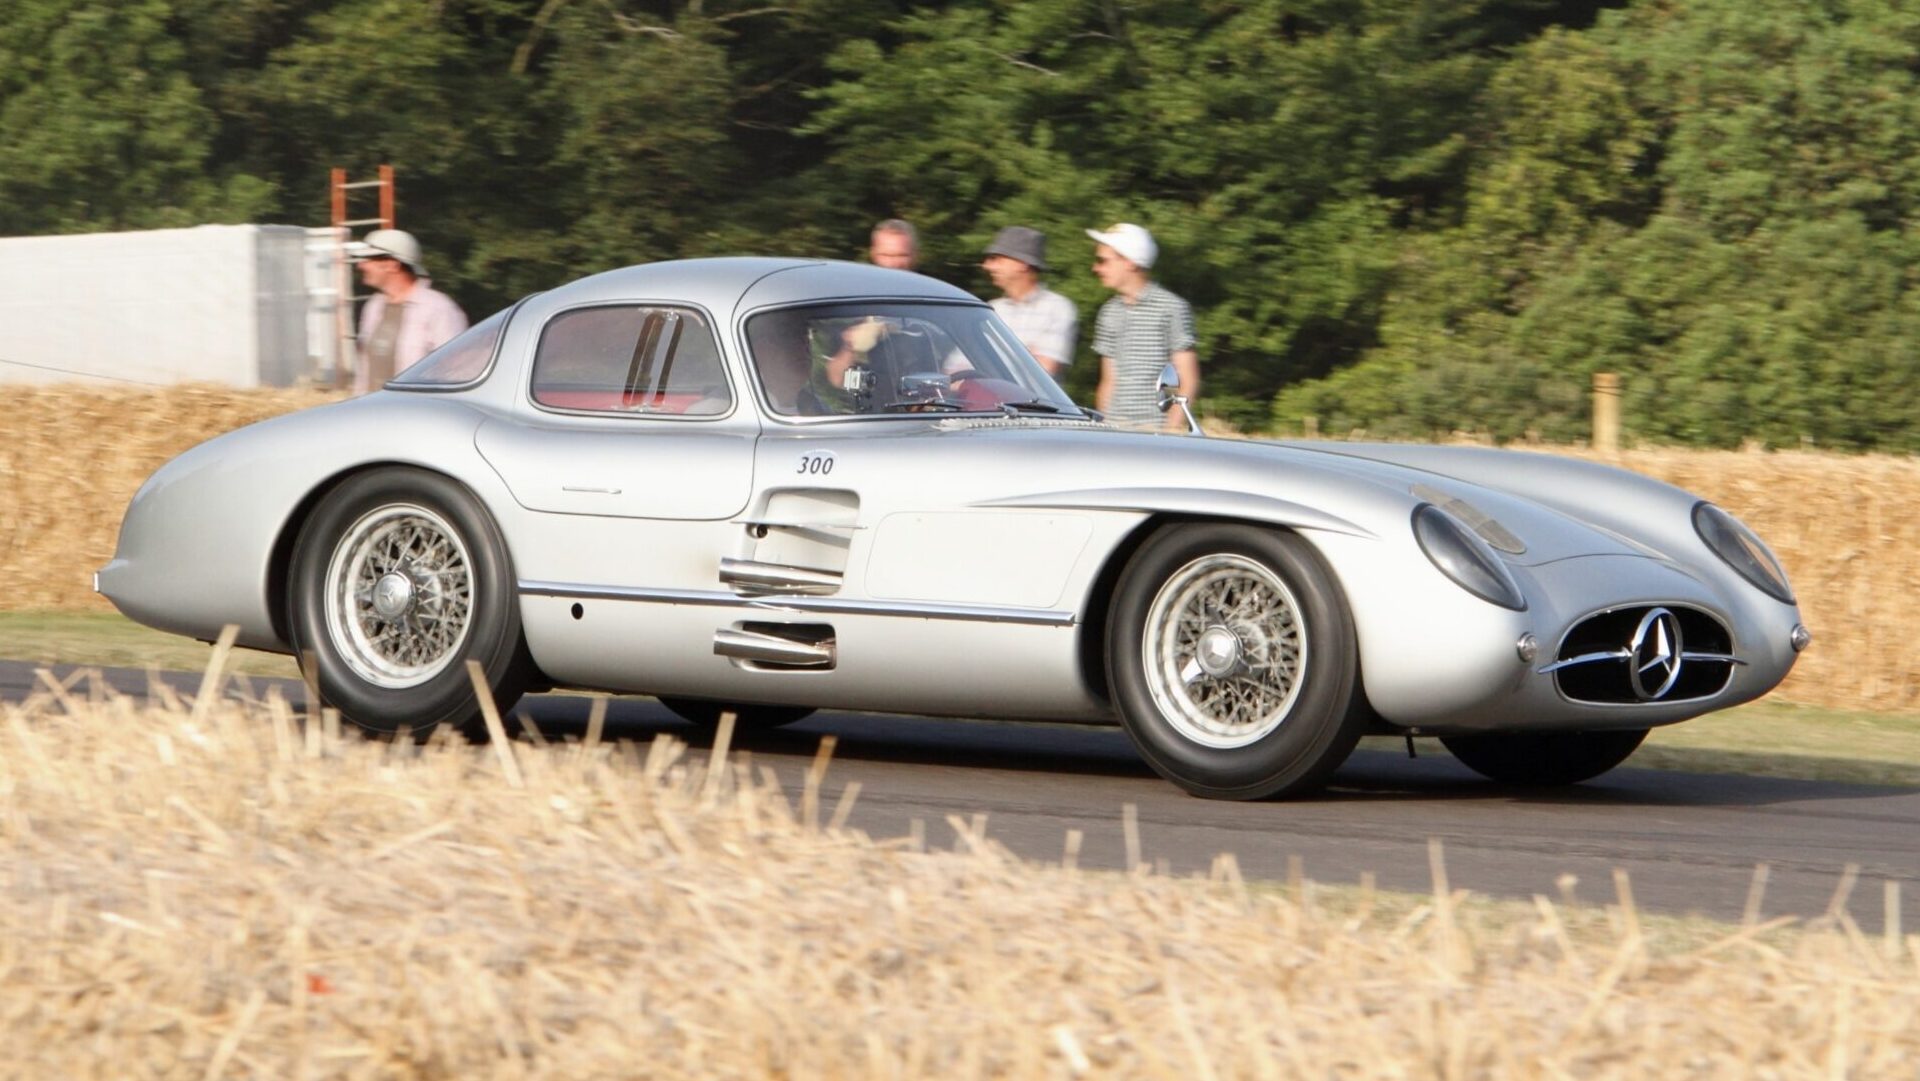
(192, 895)
(73, 456)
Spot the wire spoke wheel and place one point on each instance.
(1232, 660)
(399, 579)
(1224, 650)
(399, 595)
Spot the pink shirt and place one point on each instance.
(431, 320)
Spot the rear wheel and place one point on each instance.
(1544, 758)
(399, 578)
(1233, 662)
(745, 718)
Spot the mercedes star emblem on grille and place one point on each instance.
(1644, 668)
(1656, 653)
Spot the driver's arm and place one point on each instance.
(838, 364)
(855, 343)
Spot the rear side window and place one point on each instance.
(460, 361)
(631, 359)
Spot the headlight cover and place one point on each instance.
(1743, 550)
(1464, 558)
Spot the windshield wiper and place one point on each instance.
(947, 404)
(1033, 405)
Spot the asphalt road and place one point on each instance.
(1690, 842)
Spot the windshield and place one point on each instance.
(877, 357)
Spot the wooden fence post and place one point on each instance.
(1606, 412)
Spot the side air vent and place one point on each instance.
(1644, 654)
(752, 578)
(776, 647)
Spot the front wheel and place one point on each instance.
(1544, 758)
(1233, 661)
(399, 578)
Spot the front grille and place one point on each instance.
(1599, 658)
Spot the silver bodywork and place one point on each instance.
(949, 563)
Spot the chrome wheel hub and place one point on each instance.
(1224, 650)
(399, 596)
(1218, 651)
(392, 594)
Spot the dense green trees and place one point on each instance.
(1715, 199)
(1406, 216)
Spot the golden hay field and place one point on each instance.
(73, 456)
(202, 889)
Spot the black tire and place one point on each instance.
(1544, 758)
(1306, 715)
(745, 718)
(408, 672)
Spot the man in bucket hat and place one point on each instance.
(1042, 319)
(406, 318)
(1142, 328)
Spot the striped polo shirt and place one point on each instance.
(1141, 337)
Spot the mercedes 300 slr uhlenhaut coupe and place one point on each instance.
(780, 485)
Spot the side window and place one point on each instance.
(631, 359)
(460, 361)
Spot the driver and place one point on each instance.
(798, 379)
(782, 353)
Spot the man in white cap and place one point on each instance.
(1042, 319)
(1142, 328)
(406, 318)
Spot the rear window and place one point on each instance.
(460, 361)
(631, 359)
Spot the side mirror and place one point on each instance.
(1170, 396)
(1169, 387)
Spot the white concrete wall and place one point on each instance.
(215, 303)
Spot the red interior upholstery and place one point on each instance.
(614, 401)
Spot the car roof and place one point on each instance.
(730, 286)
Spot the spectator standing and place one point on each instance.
(1141, 329)
(1042, 319)
(894, 244)
(406, 318)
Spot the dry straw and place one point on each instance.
(205, 891)
(70, 460)
(73, 457)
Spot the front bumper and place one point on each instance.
(1594, 594)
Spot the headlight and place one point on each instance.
(1743, 550)
(1464, 558)
(1473, 518)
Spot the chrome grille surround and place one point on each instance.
(1644, 654)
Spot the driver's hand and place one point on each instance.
(862, 337)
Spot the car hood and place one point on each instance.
(1542, 499)
(1374, 494)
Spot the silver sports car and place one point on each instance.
(779, 485)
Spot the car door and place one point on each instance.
(630, 446)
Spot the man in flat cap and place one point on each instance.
(1042, 319)
(406, 318)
